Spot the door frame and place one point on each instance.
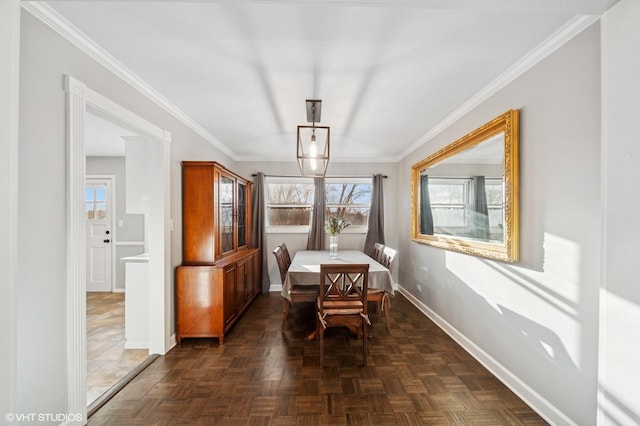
(81, 98)
(112, 185)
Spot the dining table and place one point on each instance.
(305, 269)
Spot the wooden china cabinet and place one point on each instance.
(220, 272)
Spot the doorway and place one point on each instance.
(113, 233)
(98, 201)
(80, 100)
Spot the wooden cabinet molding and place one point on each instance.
(216, 212)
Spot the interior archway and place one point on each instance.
(80, 98)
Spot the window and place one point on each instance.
(495, 202)
(450, 205)
(350, 200)
(95, 201)
(290, 201)
(448, 202)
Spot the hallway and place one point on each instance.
(107, 359)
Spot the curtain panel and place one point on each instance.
(258, 236)
(479, 209)
(375, 233)
(315, 239)
(426, 216)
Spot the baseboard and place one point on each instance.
(539, 404)
(172, 342)
(275, 287)
(136, 344)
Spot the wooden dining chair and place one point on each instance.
(298, 293)
(376, 252)
(379, 296)
(285, 253)
(387, 258)
(342, 301)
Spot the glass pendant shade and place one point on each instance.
(313, 150)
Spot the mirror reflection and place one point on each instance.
(465, 196)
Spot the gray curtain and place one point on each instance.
(375, 234)
(258, 227)
(426, 216)
(479, 211)
(315, 240)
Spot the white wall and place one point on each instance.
(41, 232)
(9, 82)
(348, 241)
(534, 322)
(42, 325)
(619, 401)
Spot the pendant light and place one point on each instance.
(313, 143)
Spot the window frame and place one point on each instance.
(285, 229)
(496, 181)
(95, 201)
(351, 229)
(304, 229)
(465, 183)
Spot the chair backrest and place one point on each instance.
(282, 263)
(388, 255)
(376, 253)
(287, 257)
(344, 282)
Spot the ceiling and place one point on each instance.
(390, 73)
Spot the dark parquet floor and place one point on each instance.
(416, 375)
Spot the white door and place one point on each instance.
(98, 206)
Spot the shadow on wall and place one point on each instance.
(617, 412)
(456, 287)
(531, 351)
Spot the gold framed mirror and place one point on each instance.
(465, 197)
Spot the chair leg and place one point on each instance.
(285, 313)
(364, 343)
(386, 308)
(321, 343)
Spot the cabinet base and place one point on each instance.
(220, 338)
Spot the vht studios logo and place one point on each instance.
(43, 417)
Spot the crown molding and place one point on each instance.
(59, 24)
(568, 31)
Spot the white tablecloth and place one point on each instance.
(305, 269)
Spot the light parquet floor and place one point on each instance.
(107, 359)
(416, 375)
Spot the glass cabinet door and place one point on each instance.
(226, 213)
(242, 216)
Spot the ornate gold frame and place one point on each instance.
(509, 249)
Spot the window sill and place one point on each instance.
(305, 230)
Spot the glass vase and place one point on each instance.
(333, 246)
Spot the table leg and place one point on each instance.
(311, 336)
